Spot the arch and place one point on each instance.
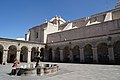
(88, 54)
(57, 54)
(24, 54)
(102, 51)
(88, 44)
(33, 54)
(99, 42)
(42, 51)
(76, 54)
(50, 54)
(116, 49)
(66, 54)
(12, 52)
(1, 53)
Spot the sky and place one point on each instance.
(18, 16)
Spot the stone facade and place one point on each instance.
(98, 49)
(93, 43)
(94, 39)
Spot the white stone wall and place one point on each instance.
(51, 28)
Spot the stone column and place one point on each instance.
(38, 52)
(71, 55)
(5, 54)
(111, 54)
(29, 56)
(18, 55)
(95, 56)
(61, 55)
(81, 55)
(53, 55)
(45, 55)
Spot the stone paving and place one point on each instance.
(69, 71)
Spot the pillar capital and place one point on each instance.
(18, 50)
(81, 48)
(94, 47)
(110, 45)
(5, 50)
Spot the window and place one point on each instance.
(37, 35)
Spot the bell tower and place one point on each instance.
(57, 20)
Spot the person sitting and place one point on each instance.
(14, 66)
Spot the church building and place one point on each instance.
(94, 39)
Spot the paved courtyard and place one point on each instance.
(70, 72)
